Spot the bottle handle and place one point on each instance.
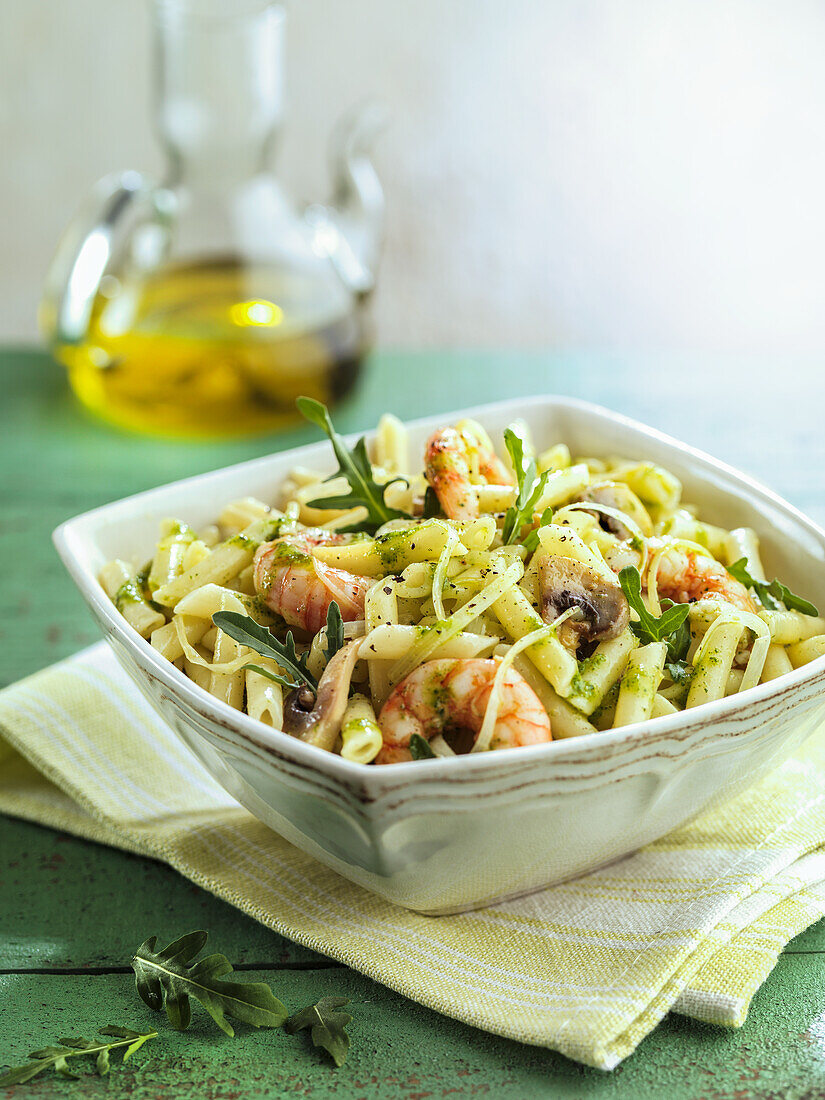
(350, 228)
(83, 255)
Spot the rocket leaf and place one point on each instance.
(245, 630)
(529, 483)
(531, 541)
(670, 626)
(170, 977)
(355, 466)
(327, 1026)
(57, 1057)
(335, 631)
(769, 592)
(420, 748)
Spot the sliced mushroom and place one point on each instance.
(565, 583)
(299, 706)
(614, 494)
(316, 717)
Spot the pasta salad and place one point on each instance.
(479, 600)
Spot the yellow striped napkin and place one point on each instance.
(693, 923)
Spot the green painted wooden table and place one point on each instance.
(71, 912)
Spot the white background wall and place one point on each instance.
(628, 174)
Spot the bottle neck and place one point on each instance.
(218, 86)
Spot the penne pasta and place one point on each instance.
(598, 673)
(226, 561)
(742, 542)
(240, 513)
(227, 686)
(662, 707)
(170, 553)
(166, 639)
(264, 698)
(361, 738)
(808, 650)
(790, 627)
(713, 663)
(391, 445)
(640, 683)
(121, 585)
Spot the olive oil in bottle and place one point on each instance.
(205, 301)
(214, 348)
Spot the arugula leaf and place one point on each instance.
(680, 672)
(355, 466)
(670, 626)
(531, 541)
(769, 592)
(245, 630)
(56, 1056)
(167, 976)
(327, 1024)
(419, 748)
(431, 506)
(335, 631)
(530, 487)
(679, 641)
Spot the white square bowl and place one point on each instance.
(449, 834)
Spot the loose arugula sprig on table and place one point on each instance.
(169, 977)
(327, 1024)
(769, 592)
(530, 485)
(355, 466)
(56, 1057)
(670, 627)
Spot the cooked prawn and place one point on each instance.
(686, 575)
(299, 588)
(452, 459)
(451, 696)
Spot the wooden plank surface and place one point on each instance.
(77, 916)
(84, 908)
(71, 912)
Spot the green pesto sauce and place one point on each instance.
(178, 529)
(440, 703)
(590, 664)
(580, 684)
(392, 546)
(359, 725)
(631, 680)
(606, 704)
(243, 542)
(256, 605)
(285, 552)
(128, 593)
(581, 687)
